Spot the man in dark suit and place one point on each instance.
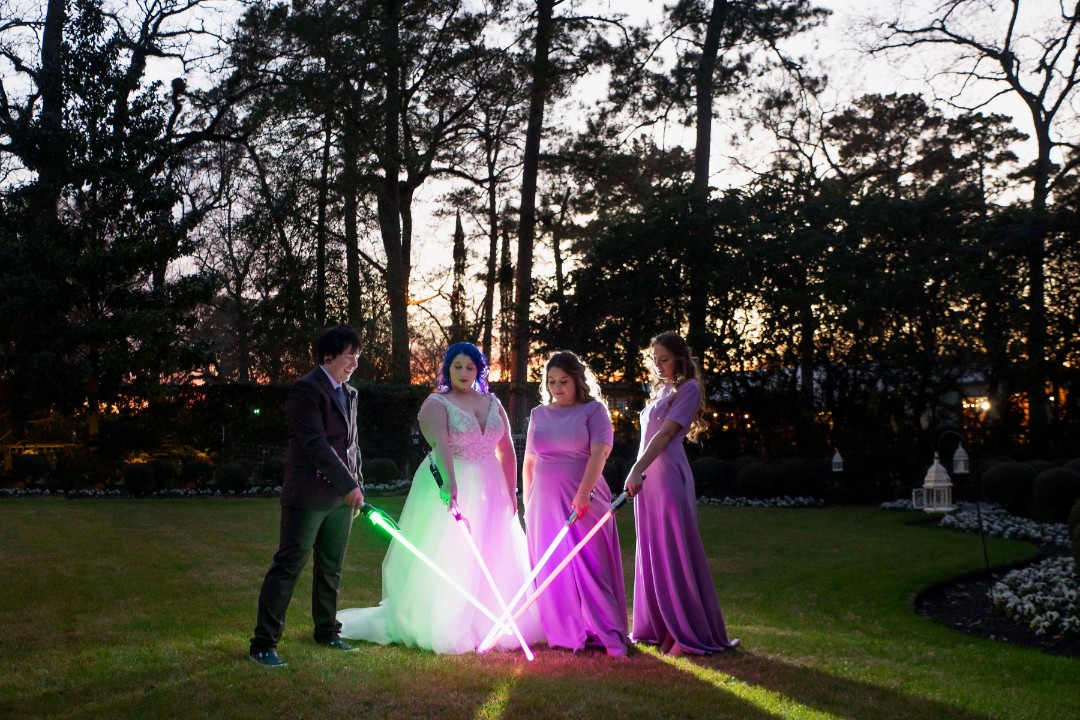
(323, 485)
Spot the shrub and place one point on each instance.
(380, 471)
(1010, 484)
(164, 472)
(28, 468)
(1074, 533)
(1053, 494)
(799, 476)
(272, 472)
(710, 477)
(756, 480)
(196, 473)
(232, 477)
(615, 469)
(138, 479)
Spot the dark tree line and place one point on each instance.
(891, 249)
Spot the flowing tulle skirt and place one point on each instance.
(420, 609)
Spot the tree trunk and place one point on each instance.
(49, 146)
(488, 318)
(697, 242)
(541, 72)
(320, 229)
(397, 278)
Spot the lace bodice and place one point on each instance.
(467, 440)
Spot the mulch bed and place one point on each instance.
(964, 604)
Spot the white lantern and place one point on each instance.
(837, 462)
(935, 496)
(960, 464)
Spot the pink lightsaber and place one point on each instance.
(615, 507)
(500, 627)
(466, 530)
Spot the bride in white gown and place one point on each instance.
(468, 429)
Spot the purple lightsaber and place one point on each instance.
(500, 627)
(617, 505)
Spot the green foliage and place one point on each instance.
(272, 472)
(232, 477)
(197, 472)
(801, 477)
(28, 468)
(615, 469)
(1010, 484)
(756, 480)
(710, 477)
(1073, 523)
(164, 472)
(89, 227)
(1053, 494)
(381, 471)
(139, 479)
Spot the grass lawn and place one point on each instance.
(142, 609)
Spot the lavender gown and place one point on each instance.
(587, 602)
(673, 587)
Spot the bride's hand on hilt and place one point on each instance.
(448, 493)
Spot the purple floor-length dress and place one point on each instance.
(673, 587)
(587, 602)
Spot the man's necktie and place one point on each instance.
(341, 399)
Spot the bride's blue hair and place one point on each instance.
(474, 354)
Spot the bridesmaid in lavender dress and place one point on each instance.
(675, 603)
(569, 439)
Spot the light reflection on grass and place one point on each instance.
(759, 697)
(496, 703)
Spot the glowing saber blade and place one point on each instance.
(381, 519)
(466, 530)
(501, 625)
(462, 523)
(615, 507)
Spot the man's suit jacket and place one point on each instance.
(322, 461)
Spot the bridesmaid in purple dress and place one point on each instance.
(569, 439)
(675, 603)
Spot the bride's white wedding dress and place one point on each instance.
(419, 608)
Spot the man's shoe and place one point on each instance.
(267, 658)
(339, 644)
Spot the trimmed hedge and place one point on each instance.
(1053, 494)
(710, 477)
(139, 479)
(272, 472)
(1074, 533)
(1010, 485)
(757, 480)
(232, 477)
(380, 471)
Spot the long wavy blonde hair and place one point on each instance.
(686, 368)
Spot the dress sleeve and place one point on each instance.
(684, 405)
(599, 422)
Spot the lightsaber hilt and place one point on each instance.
(618, 503)
(435, 472)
